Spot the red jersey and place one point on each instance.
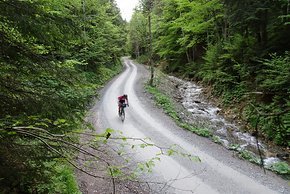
(122, 98)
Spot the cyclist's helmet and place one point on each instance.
(125, 95)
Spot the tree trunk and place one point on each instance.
(193, 53)
(262, 31)
(137, 51)
(150, 51)
(187, 56)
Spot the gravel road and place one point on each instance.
(219, 170)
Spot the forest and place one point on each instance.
(54, 55)
(239, 49)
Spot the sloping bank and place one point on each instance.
(186, 103)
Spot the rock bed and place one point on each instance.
(204, 114)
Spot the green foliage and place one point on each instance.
(229, 45)
(274, 77)
(115, 171)
(62, 178)
(54, 55)
(164, 102)
(197, 130)
(245, 154)
(137, 35)
(281, 168)
(275, 126)
(201, 132)
(181, 27)
(235, 147)
(216, 139)
(143, 59)
(36, 168)
(129, 170)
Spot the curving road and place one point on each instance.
(219, 170)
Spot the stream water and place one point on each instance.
(206, 115)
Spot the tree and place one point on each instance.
(225, 43)
(147, 7)
(137, 34)
(54, 54)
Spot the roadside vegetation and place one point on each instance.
(239, 49)
(166, 102)
(54, 56)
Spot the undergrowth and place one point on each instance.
(29, 160)
(62, 179)
(281, 168)
(164, 102)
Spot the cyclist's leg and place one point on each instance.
(119, 107)
(122, 114)
(121, 102)
(123, 111)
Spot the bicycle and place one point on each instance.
(122, 112)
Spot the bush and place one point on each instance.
(143, 59)
(281, 168)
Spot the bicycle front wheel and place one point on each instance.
(122, 115)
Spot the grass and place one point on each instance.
(164, 102)
(281, 168)
(62, 178)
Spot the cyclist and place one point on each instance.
(121, 101)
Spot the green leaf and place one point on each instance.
(170, 152)
(195, 159)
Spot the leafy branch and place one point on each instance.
(97, 151)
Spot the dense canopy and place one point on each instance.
(54, 54)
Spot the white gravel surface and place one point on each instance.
(219, 170)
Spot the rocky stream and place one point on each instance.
(230, 134)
